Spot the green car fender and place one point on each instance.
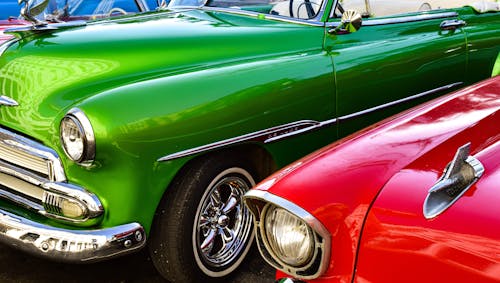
(137, 124)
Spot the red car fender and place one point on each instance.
(339, 183)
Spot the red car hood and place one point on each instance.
(339, 183)
(10, 23)
(458, 245)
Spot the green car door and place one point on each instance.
(483, 41)
(400, 55)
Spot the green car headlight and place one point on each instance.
(77, 137)
(289, 238)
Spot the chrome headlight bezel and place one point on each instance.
(86, 133)
(260, 203)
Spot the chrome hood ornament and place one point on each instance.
(31, 10)
(7, 101)
(460, 174)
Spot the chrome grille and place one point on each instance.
(23, 159)
(32, 176)
(31, 156)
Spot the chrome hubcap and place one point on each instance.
(223, 224)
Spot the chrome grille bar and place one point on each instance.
(23, 159)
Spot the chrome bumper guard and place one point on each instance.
(69, 245)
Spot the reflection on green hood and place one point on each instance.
(50, 72)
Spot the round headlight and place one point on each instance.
(77, 136)
(288, 236)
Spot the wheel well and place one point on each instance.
(260, 158)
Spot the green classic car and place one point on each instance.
(153, 126)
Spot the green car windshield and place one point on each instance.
(303, 9)
(86, 9)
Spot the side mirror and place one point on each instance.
(350, 22)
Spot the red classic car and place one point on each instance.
(414, 198)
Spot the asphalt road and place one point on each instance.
(16, 266)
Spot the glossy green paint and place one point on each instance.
(381, 63)
(151, 86)
(164, 82)
(483, 33)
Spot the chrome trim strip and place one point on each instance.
(296, 128)
(405, 19)
(262, 135)
(69, 245)
(363, 112)
(406, 99)
(312, 222)
(7, 101)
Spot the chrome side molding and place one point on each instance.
(296, 128)
(462, 172)
(260, 136)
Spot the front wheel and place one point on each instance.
(202, 229)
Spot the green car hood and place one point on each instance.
(49, 73)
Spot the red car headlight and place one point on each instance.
(289, 238)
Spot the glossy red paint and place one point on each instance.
(460, 245)
(382, 175)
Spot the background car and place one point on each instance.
(153, 126)
(64, 11)
(73, 8)
(411, 199)
(9, 9)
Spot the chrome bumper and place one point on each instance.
(69, 245)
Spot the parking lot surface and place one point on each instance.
(20, 267)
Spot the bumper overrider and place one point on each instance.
(32, 177)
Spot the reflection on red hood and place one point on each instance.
(10, 23)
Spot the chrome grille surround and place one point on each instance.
(31, 175)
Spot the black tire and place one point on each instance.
(202, 231)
